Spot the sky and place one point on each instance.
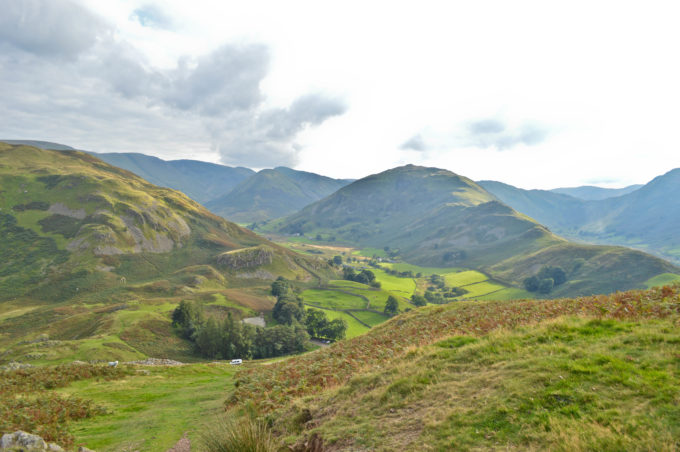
(537, 94)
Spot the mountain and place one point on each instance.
(591, 193)
(94, 254)
(273, 193)
(437, 218)
(201, 181)
(40, 144)
(645, 218)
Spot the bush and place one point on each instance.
(244, 435)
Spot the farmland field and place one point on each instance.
(399, 286)
(332, 299)
(354, 328)
(482, 288)
(460, 279)
(426, 271)
(370, 318)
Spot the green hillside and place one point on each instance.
(96, 259)
(433, 217)
(273, 193)
(644, 218)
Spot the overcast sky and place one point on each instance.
(536, 94)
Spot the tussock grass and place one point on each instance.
(238, 435)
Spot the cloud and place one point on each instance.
(268, 139)
(54, 28)
(62, 69)
(415, 143)
(488, 133)
(225, 80)
(152, 16)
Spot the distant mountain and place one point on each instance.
(591, 193)
(437, 218)
(646, 218)
(273, 193)
(201, 181)
(40, 144)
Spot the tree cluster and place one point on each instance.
(289, 310)
(229, 338)
(364, 276)
(545, 280)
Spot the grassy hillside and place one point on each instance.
(597, 373)
(433, 217)
(96, 258)
(201, 181)
(273, 193)
(644, 218)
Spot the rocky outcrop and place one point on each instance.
(61, 209)
(22, 441)
(246, 258)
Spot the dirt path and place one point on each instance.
(183, 445)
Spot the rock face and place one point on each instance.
(23, 441)
(246, 258)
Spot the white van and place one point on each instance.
(236, 361)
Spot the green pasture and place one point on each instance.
(152, 409)
(370, 318)
(464, 278)
(354, 328)
(662, 280)
(332, 299)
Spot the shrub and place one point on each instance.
(245, 435)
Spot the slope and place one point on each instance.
(597, 373)
(645, 218)
(273, 193)
(437, 218)
(592, 193)
(201, 181)
(95, 254)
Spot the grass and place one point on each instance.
(662, 280)
(332, 299)
(482, 288)
(509, 293)
(354, 328)
(568, 384)
(370, 318)
(464, 278)
(426, 271)
(151, 412)
(404, 287)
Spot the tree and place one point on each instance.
(316, 321)
(337, 260)
(188, 318)
(391, 306)
(348, 273)
(365, 277)
(418, 300)
(531, 283)
(546, 285)
(280, 287)
(335, 329)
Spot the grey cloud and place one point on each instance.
(268, 139)
(58, 28)
(486, 126)
(227, 79)
(151, 15)
(107, 97)
(494, 133)
(309, 110)
(415, 143)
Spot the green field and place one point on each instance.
(370, 318)
(151, 412)
(332, 299)
(482, 288)
(509, 293)
(426, 271)
(463, 278)
(662, 280)
(404, 287)
(354, 328)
